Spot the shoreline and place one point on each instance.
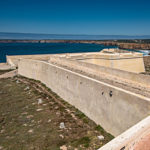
(122, 44)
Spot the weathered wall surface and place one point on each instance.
(113, 108)
(135, 138)
(132, 62)
(96, 69)
(132, 65)
(127, 62)
(13, 60)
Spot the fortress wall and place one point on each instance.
(129, 64)
(100, 55)
(132, 64)
(135, 138)
(113, 108)
(100, 62)
(96, 69)
(13, 60)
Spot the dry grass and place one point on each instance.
(23, 127)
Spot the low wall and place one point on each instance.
(113, 108)
(135, 138)
(96, 69)
(128, 64)
(132, 62)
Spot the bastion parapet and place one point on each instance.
(106, 86)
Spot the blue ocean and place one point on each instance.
(46, 48)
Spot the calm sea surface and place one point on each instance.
(46, 48)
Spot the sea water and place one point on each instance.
(46, 48)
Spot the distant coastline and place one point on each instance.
(137, 42)
(122, 44)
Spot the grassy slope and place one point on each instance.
(22, 127)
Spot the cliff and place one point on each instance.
(128, 44)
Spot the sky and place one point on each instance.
(91, 17)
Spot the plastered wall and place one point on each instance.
(128, 64)
(113, 108)
(132, 62)
(135, 138)
(96, 69)
(13, 60)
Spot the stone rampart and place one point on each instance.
(135, 138)
(115, 109)
(96, 69)
(132, 62)
(13, 60)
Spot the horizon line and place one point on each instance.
(75, 34)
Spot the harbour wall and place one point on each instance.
(115, 109)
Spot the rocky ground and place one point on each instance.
(34, 118)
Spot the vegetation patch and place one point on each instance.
(33, 117)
